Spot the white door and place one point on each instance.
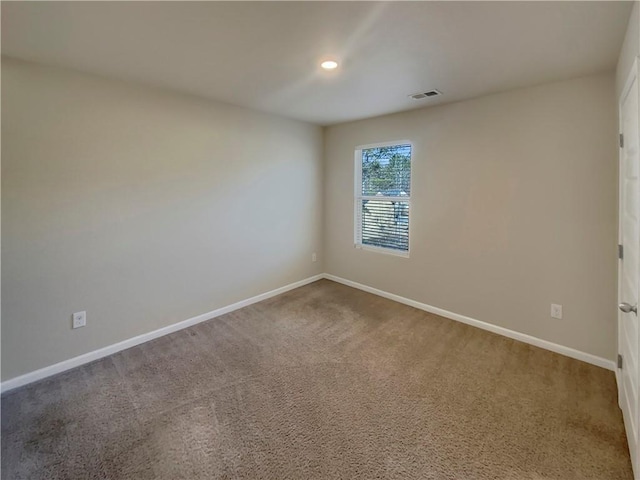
(629, 266)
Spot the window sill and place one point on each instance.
(385, 251)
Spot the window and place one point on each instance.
(383, 197)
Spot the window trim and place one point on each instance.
(358, 197)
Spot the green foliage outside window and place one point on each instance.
(386, 171)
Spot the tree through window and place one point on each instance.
(383, 196)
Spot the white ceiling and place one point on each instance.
(265, 55)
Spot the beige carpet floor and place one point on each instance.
(323, 382)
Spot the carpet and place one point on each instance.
(322, 382)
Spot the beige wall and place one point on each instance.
(630, 49)
(146, 207)
(513, 208)
(142, 207)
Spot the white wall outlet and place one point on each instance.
(314, 257)
(556, 311)
(79, 319)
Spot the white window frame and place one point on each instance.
(359, 197)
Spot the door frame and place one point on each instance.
(633, 75)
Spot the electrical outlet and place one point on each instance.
(556, 311)
(314, 257)
(79, 319)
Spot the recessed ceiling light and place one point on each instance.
(329, 64)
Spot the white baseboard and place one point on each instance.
(132, 342)
(522, 337)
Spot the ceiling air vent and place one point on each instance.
(430, 93)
